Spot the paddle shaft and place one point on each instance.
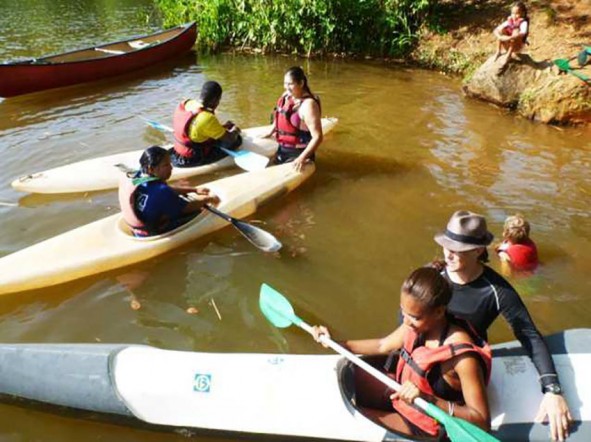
(221, 214)
(163, 128)
(420, 402)
(258, 237)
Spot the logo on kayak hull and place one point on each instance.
(202, 383)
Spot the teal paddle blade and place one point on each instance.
(276, 307)
(588, 49)
(458, 430)
(562, 64)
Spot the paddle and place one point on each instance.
(280, 313)
(564, 66)
(582, 57)
(258, 237)
(245, 159)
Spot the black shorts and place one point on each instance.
(286, 154)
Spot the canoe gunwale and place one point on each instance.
(89, 64)
(45, 60)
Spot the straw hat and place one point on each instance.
(465, 231)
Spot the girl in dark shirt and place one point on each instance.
(445, 363)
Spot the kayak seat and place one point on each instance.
(361, 391)
(109, 51)
(124, 229)
(358, 386)
(140, 44)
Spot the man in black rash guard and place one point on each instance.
(480, 294)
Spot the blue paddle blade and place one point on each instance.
(157, 126)
(247, 160)
(276, 307)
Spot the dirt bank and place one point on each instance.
(463, 41)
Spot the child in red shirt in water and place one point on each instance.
(517, 248)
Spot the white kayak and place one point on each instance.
(104, 173)
(107, 244)
(280, 395)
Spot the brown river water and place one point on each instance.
(409, 150)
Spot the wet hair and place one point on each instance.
(522, 9)
(152, 157)
(211, 91)
(427, 286)
(516, 229)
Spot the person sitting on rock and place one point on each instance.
(512, 34)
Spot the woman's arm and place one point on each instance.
(384, 345)
(476, 408)
(310, 112)
(197, 199)
(498, 31)
(554, 406)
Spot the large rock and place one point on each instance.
(534, 89)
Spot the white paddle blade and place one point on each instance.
(251, 162)
(258, 237)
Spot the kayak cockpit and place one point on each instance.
(123, 228)
(362, 391)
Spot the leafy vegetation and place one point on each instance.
(361, 27)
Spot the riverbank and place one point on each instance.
(462, 41)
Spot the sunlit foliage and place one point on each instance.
(370, 27)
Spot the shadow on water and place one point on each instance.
(357, 165)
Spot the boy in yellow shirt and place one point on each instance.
(198, 134)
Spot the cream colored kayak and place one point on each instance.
(107, 244)
(105, 172)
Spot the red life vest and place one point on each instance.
(127, 188)
(183, 145)
(287, 131)
(523, 256)
(415, 364)
(513, 24)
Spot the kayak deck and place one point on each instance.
(104, 173)
(107, 244)
(273, 395)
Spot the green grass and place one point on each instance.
(386, 28)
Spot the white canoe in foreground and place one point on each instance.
(107, 244)
(104, 173)
(306, 396)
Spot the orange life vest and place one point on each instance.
(127, 188)
(183, 145)
(415, 364)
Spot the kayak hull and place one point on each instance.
(95, 63)
(107, 244)
(104, 173)
(274, 395)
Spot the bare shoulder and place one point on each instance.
(458, 335)
(310, 105)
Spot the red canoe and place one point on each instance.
(94, 63)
